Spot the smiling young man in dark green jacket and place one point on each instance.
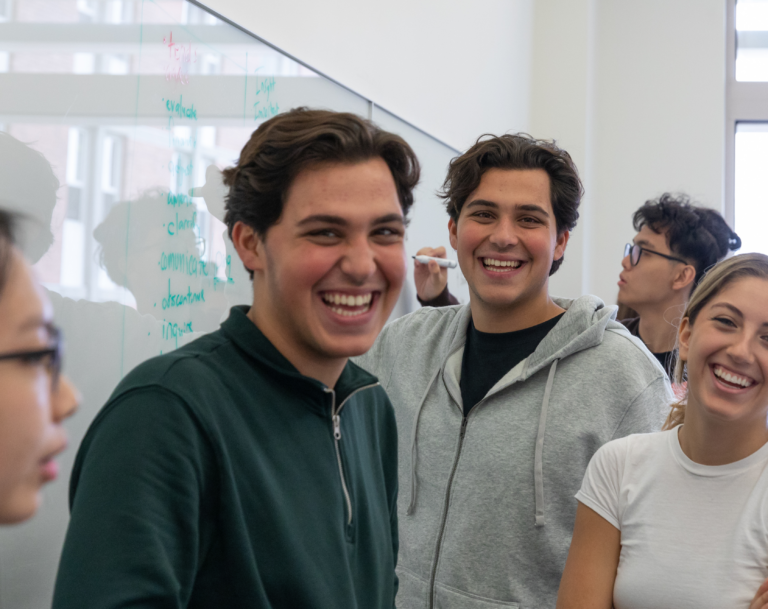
(256, 467)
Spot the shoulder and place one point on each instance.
(186, 363)
(630, 353)
(426, 320)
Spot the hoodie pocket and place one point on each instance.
(451, 598)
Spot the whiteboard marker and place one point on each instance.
(446, 264)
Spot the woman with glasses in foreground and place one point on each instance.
(679, 518)
(34, 398)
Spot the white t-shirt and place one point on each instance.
(691, 535)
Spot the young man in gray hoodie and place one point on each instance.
(501, 403)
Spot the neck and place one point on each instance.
(327, 370)
(711, 442)
(658, 326)
(497, 319)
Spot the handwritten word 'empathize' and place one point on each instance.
(179, 300)
(179, 109)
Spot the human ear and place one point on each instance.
(683, 339)
(562, 241)
(249, 246)
(684, 278)
(453, 234)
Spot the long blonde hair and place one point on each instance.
(715, 281)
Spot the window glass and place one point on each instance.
(752, 40)
(751, 187)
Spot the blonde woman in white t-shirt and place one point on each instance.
(679, 518)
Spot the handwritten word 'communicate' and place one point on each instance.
(188, 264)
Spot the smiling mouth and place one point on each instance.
(348, 305)
(731, 379)
(500, 266)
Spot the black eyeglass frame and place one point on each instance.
(54, 352)
(632, 246)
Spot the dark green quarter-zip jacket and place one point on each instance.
(219, 476)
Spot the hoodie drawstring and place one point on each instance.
(412, 503)
(538, 460)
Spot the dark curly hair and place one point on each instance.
(697, 234)
(518, 151)
(288, 143)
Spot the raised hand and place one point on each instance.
(430, 279)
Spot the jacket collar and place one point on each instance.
(239, 328)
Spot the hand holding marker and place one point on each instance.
(446, 264)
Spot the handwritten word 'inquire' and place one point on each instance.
(179, 300)
(172, 330)
(178, 108)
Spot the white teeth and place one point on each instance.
(732, 378)
(348, 300)
(490, 262)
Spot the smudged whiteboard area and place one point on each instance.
(116, 118)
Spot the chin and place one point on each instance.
(19, 509)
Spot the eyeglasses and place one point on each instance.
(634, 252)
(52, 354)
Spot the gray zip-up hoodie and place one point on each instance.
(486, 503)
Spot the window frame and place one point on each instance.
(744, 102)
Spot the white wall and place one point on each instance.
(453, 68)
(643, 113)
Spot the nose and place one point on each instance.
(625, 263)
(740, 350)
(504, 234)
(65, 400)
(359, 260)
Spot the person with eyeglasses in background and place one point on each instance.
(676, 243)
(34, 397)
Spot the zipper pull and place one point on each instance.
(337, 427)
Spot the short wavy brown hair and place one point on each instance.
(516, 151)
(302, 138)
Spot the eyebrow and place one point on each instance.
(734, 310)
(530, 207)
(339, 221)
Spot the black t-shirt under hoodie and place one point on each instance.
(488, 357)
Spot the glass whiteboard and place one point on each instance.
(116, 117)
